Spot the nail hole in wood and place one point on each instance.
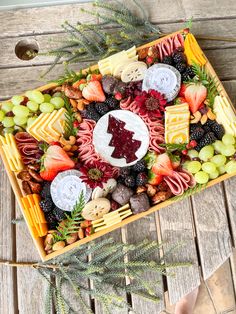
(27, 49)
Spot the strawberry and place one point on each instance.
(182, 90)
(163, 165)
(48, 175)
(54, 160)
(154, 179)
(175, 161)
(195, 94)
(78, 83)
(93, 91)
(94, 77)
(180, 100)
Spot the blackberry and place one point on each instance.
(185, 77)
(130, 181)
(45, 193)
(59, 214)
(46, 204)
(121, 180)
(218, 130)
(206, 128)
(91, 114)
(50, 218)
(209, 122)
(112, 103)
(207, 139)
(197, 134)
(140, 166)
(179, 57)
(102, 108)
(167, 60)
(125, 172)
(180, 67)
(141, 178)
(189, 71)
(53, 225)
(194, 126)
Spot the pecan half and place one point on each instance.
(35, 187)
(71, 92)
(35, 175)
(151, 190)
(24, 175)
(160, 197)
(26, 187)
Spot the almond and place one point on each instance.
(58, 245)
(73, 238)
(211, 115)
(204, 119)
(81, 233)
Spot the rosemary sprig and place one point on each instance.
(189, 192)
(173, 147)
(69, 129)
(93, 41)
(72, 222)
(211, 83)
(69, 76)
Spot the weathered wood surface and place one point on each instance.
(31, 295)
(212, 229)
(177, 228)
(7, 238)
(136, 232)
(176, 224)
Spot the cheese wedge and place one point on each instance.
(48, 127)
(11, 152)
(34, 215)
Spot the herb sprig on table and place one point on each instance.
(91, 42)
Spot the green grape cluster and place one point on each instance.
(16, 114)
(213, 160)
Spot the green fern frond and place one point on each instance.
(189, 192)
(71, 224)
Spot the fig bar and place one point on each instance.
(143, 128)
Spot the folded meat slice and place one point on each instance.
(180, 182)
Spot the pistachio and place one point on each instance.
(58, 245)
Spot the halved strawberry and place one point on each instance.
(54, 160)
(154, 179)
(163, 165)
(93, 91)
(182, 90)
(48, 175)
(195, 94)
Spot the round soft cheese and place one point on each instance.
(102, 138)
(66, 189)
(164, 79)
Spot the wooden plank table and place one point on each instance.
(204, 224)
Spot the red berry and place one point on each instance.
(76, 124)
(185, 152)
(88, 231)
(55, 143)
(149, 60)
(193, 143)
(118, 96)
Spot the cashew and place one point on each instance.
(73, 103)
(211, 115)
(74, 148)
(196, 117)
(67, 148)
(71, 140)
(80, 104)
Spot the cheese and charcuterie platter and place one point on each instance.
(140, 130)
